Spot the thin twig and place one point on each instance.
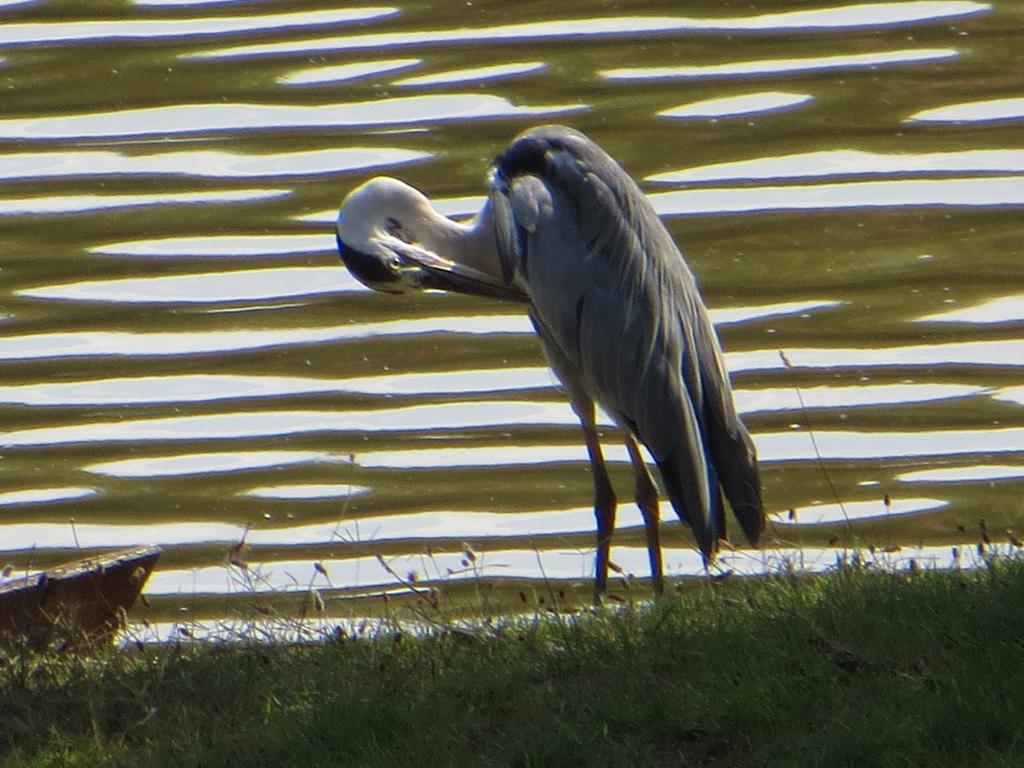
(814, 445)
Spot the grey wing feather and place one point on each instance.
(611, 291)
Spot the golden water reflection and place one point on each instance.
(28, 33)
(40, 165)
(783, 66)
(730, 106)
(850, 16)
(206, 118)
(53, 205)
(849, 162)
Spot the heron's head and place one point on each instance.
(391, 238)
(379, 235)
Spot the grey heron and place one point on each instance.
(566, 231)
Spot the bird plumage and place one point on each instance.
(611, 293)
(618, 311)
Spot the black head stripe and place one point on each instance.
(368, 269)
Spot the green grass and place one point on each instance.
(850, 669)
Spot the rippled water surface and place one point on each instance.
(184, 362)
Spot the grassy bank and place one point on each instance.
(849, 669)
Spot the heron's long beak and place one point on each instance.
(445, 275)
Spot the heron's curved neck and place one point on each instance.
(471, 243)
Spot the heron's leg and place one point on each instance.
(572, 378)
(604, 496)
(647, 501)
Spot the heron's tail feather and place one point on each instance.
(730, 465)
(684, 478)
(734, 456)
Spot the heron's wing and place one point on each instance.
(610, 290)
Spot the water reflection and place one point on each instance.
(851, 511)
(363, 572)
(960, 193)
(187, 3)
(748, 103)
(341, 73)
(1009, 352)
(973, 112)
(465, 526)
(43, 496)
(772, 446)
(850, 162)
(748, 401)
(457, 525)
(1007, 309)
(512, 454)
(837, 17)
(473, 381)
(236, 425)
(206, 463)
(838, 398)
(473, 75)
(33, 33)
(40, 165)
(783, 66)
(212, 287)
(163, 344)
(202, 388)
(75, 536)
(838, 445)
(976, 473)
(58, 204)
(730, 315)
(1011, 394)
(458, 207)
(102, 343)
(307, 491)
(1000, 352)
(220, 246)
(553, 564)
(208, 118)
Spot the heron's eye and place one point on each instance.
(394, 262)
